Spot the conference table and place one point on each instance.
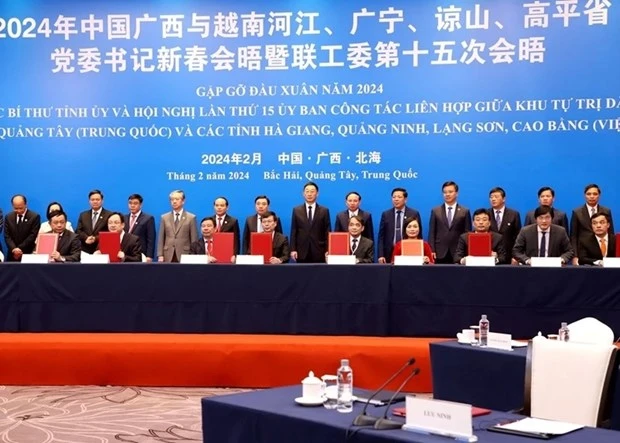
(363, 300)
(272, 416)
(490, 378)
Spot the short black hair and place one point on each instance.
(543, 210)
(270, 214)
(407, 223)
(122, 217)
(95, 191)
(47, 212)
(353, 193)
(56, 213)
(403, 190)
(136, 197)
(590, 186)
(223, 198)
(311, 184)
(481, 211)
(19, 195)
(601, 214)
(450, 183)
(262, 196)
(359, 218)
(498, 189)
(546, 188)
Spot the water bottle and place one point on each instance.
(345, 387)
(564, 333)
(483, 330)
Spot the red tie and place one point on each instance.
(219, 224)
(132, 222)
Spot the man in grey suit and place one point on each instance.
(546, 196)
(448, 222)
(177, 230)
(544, 239)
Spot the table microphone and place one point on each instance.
(384, 423)
(367, 420)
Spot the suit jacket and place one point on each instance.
(590, 250)
(510, 228)
(342, 223)
(365, 252)
(171, 240)
(309, 239)
(131, 246)
(198, 247)
(559, 218)
(526, 245)
(85, 228)
(230, 224)
(387, 228)
(581, 225)
(69, 246)
(144, 228)
(280, 248)
(251, 225)
(444, 238)
(22, 235)
(497, 246)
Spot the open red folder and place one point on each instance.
(412, 247)
(479, 244)
(223, 249)
(339, 243)
(110, 243)
(260, 244)
(47, 243)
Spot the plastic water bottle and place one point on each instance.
(564, 332)
(345, 387)
(483, 325)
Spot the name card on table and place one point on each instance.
(35, 258)
(408, 260)
(341, 259)
(250, 260)
(499, 341)
(94, 259)
(611, 262)
(546, 262)
(472, 260)
(428, 416)
(198, 259)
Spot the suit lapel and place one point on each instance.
(444, 217)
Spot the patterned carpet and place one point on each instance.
(102, 414)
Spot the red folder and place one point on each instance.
(479, 244)
(47, 243)
(223, 249)
(475, 412)
(260, 244)
(110, 243)
(412, 247)
(617, 245)
(339, 243)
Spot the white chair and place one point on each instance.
(569, 381)
(590, 330)
(1, 256)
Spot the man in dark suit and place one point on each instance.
(69, 248)
(131, 250)
(447, 223)
(226, 223)
(204, 245)
(310, 227)
(92, 222)
(504, 220)
(546, 197)
(353, 200)
(544, 239)
(393, 222)
(141, 225)
(1, 228)
(254, 222)
(580, 221)
(482, 224)
(599, 244)
(21, 227)
(362, 247)
(280, 252)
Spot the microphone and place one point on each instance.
(367, 420)
(384, 423)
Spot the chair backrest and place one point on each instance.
(590, 330)
(1, 256)
(569, 381)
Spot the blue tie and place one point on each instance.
(398, 232)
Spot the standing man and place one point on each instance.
(580, 221)
(142, 225)
(598, 244)
(504, 220)
(21, 227)
(393, 222)
(254, 222)
(448, 222)
(1, 228)
(177, 230)
(546, 197)
(92, 222)
(353, 200)
(310, 227)
(225, 222)
(69, 248)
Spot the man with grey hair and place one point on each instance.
(177, 230)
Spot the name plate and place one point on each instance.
(250, 260)
(499, 341)
(409, 260)
(438, 417)
(472, 260)
(94, 259)
(611, 262)
(341, 259)
(546, 262)
(190, 259)
(35, 258)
